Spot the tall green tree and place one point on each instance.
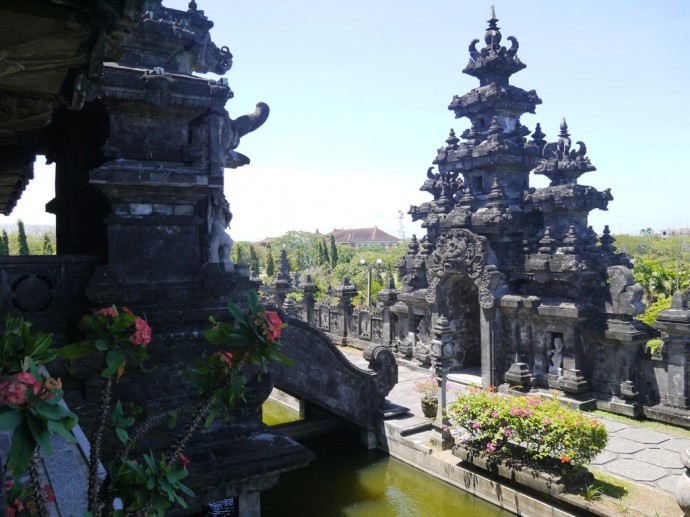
(47, 245)
(253, 261)
(270, 262)
(334, 252)
(21, 238)
(324, 248)
(238, 250)
(4, 243)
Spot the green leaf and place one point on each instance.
(10, 420)
(237, 313)
(122, 435)
(52, 411)
(63, 429)
(22, 449)
(254, 303)
(39, 430)
(211, 416)
(113, 360)
(76, 350)
(116, 415)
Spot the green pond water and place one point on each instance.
(347, 481)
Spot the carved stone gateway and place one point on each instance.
(534, 297)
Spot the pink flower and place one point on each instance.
(476, 425)
(226, 357)
(108, 311)
(490, 447)
(184, 460)
(494, 414)
(30, 381)
(275, 325)
(142, 333)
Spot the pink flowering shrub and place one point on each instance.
(119, 335)
(427, 388)
(496, 422)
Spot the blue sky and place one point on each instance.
(359, 91)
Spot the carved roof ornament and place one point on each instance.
(561, 164)
(462, 251)
(452, 140)
(493, 63)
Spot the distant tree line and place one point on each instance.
(322, 258)
(31, 240)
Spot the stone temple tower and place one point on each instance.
(535, 298)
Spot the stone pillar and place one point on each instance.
(346, 292)
(675, 324)
(442, 353)
(308, 302)
(490, 342)
(387, 297)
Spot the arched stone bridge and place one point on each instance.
(322, 375)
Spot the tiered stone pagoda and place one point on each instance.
(534, 297)
(140, 143)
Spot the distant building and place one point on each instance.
(358, 237)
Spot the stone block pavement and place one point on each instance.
(635, 454)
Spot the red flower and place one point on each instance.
(108, 311)
(275, 325)
(226, 357)
(142, 333)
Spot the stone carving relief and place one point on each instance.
(461, 251)
(625, 294)
(218, 217)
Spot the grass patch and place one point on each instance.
(610, 486)
(648, 424)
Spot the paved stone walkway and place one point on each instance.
(633, 453)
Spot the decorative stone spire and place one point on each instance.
(561, 164)
(538, 136)
(452, 140)
(494, 63)
(546, 242)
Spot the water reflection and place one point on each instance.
(346, 481)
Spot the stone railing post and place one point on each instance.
(387, 297)
(308, 302)
(442, 353)
(346, 292)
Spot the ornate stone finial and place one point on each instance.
(495, 127)
(493, 37)
(192, 6)
(607, 241)
(546, 242)
(570, 241)
(538, 136)
(494, 63)
(468, 199)
(427, 247)
(413, 246)
(496, 193)
(564, 129)
(452, 140)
